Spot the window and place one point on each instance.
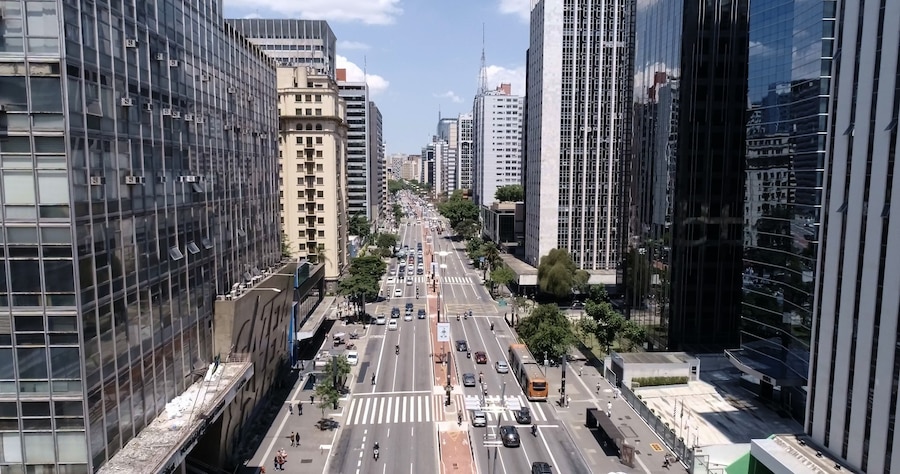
(320, 194)
(308, 111)
(320, 167)
(318, 111)
(318, 97)
(298, 98)
(318, 140)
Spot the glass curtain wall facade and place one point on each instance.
(791, 45)
(708, 199)
(292, 42)
(652, 171)
(139, 165)
(356, 96)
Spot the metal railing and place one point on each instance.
(666, 433)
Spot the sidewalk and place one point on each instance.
(315, 444)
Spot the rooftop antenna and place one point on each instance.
(482, 79)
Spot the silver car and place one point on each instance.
(502, 367)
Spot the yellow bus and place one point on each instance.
(528, 372)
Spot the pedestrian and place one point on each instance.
(581, 371)
(312, 398)
(262, 469)
(297, 439)
(291, 437)
(608, 408)
(459, 419)
(299, 408)
(568, 399)
(290, 408)
(616, 393)
(598, 388)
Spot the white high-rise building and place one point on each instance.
(464, 151)
(360, 193)
(497, 136)
(853, 403)
(578, 128)
(447, 131)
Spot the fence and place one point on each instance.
(667, 434)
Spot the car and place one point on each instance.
(501, 366)
(398, 292)
(381, 320)
(468, 380)
(480, 357)
(395, 312)
(420, 271)
(523, 416)
(540, 467)
(479, 418)
(409, 308)
(390, 280)
(408, 281)
(407, 317)
(392, 326)
(510, 436)
(421, 314)
(461, 345)
(352, 357)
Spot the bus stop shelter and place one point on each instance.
(611, 437)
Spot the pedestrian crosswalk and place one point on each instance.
(391, 409)
(494, 407)
(447, 280)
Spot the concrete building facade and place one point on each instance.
(313, 150)
(578, 128)
(293, 42)
(464, 151)
(138, 182)
(378, 167)
(359, 193)
(497, 136)
(853, 405)
(448, 131)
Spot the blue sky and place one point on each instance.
(420, 56)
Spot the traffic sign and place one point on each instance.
(443, 334)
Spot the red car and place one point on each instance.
(480, 357)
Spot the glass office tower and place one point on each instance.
(139, 167)
(789, 76)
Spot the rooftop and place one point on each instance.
(655, 357)
(795, 454)
(164, 443)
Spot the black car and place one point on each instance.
(510, 436)
(395, 312)
(420, 271)
(462, 346)
(421, 314)
(523, 416)
(468, 380)
(540, 467)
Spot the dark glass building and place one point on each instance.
(789, 77)
(139, 181)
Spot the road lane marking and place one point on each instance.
(381, 411)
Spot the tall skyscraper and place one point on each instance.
(708, 200)
(313, 168)
(855, 373)
(785, 153)
(464, 151)
(497, 123)
(292, 42)
(139, 181)
(377, 165)
(359, 193)
(448, 131)
(578, 128)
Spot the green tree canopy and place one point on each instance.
(547, 330)
(363, 279)
(371, 266)
(474, 248)
(510, 193)
(398, 212)
(359, 226)
(491, 254)
(580, 281)
(502, 276)
(556, 273)
(467, 228)
(458, 208)
(386, 241)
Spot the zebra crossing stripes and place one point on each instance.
(391, 409)
(447, 280)
(495, 408)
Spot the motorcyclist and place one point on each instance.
(457, 316)
(397, 349)
(480, 377)
(376, 450)
(533, 429)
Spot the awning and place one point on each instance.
(597, 418)
(301, 335)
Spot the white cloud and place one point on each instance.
(372, 12)
(354, 45)
(377, 84)
(449, 95)
(497, 75)
(520, 8)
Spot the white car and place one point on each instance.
(352, 357)
(380, 320)
(392, 325)
(407, 317)
(390, 280)
(398, 292)
(408, 281)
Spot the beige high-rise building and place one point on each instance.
(313, 151)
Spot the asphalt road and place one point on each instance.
(398, 411)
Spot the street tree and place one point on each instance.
(467, 229)
(398, 213)
(502, 276)
(386, 241)
(371, 266)
(328, 397)
(546, 330)
(633, 335)
(510, 193)
(580, 281)
(474, 248)
(556, 273)
(492, 257)
(457, 208)
(286, 251)
(610, 322)
(359, 226)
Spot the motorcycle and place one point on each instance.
(457, 317)
(534, 430)
(465, 315)
(375, 451)
(397, 350)
(468, 355)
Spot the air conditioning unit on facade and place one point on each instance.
(127, 101)
(167, 111)
(134, 180)
(173, 63)
(176, 114)
(232, 90)
(188, 117)
(199, 119)
(160, 56)
(131, 43)
(148, 107)
(97, 180)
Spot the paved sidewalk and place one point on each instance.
(315, 444)
(455, 448)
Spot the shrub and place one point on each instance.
(657, 381)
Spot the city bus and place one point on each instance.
(528, 372)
